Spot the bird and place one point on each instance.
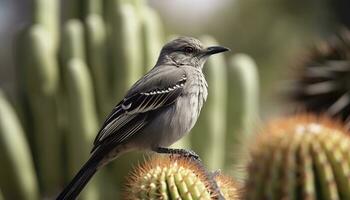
(158, 110)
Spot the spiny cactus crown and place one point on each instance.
(165, 177)
(302, 157)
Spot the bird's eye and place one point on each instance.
(189, 49)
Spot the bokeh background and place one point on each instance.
(272, 32)
(273, 35)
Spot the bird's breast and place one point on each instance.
(194, 97)
(179, 118)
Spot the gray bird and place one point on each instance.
(158, 110)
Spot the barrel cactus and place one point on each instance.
(301, 157)
(174, 177)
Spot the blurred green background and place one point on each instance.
(274, 33)
(271, 31)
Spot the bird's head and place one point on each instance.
(187, 51)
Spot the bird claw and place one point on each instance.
(193, 155)
(179, 152)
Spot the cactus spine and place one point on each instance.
(17, 176)
(229, 188)
(321, 82)
(212, 121)
(170, 178)
(302, 157)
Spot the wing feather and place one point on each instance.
(152, 92)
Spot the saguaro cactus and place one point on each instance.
(79, 95)
(125, 48)
(243, 109)
(83, 119)
(46, 13)
(152, 36)
(96, 37)
(40, 73)
(17, 176)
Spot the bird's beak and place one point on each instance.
(215, 49)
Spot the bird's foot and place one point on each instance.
(182, 152)
(192, 154)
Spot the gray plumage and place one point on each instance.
(158, 110)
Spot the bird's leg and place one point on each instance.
(181, 152)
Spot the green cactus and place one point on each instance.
(40, 73)
(166, 177)
(243, 108)
(127, 66)
(73, 10)
(96, 40)
(94, 7)
(17, 175)
(212, 121)
(130, 40)
(82, 117)
(46, 13)
(73, 40)
(302, 157)
(152, 36)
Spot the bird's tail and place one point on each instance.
(72, 190)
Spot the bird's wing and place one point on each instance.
(157, 89)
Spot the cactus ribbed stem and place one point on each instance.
(46, 13)
(73, 40)
(97, 61)
(83, 119)
(244, 78)
(127, 65)
(94, 7)
(170, 178)
(82, 114)
(302, 157)
(40, 74)
(152, 36)
(17, 175)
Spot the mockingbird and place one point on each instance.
(158, 110)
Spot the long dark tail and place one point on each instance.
(72, 190)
